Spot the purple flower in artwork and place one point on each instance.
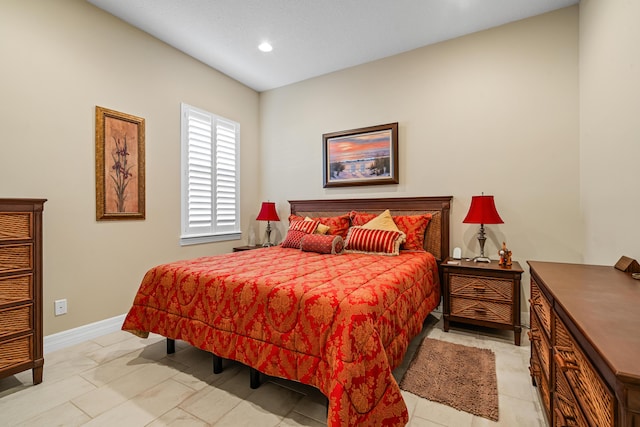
(122, 172)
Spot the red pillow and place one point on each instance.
(322, 244)
(360, 218)
(293, 239)
(338, 225)
(413, 227)
(364, 240)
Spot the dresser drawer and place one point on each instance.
(541, 307)
(15, 257)
(15, 351)
(16, 288)
(539, 342)
(566, 409)
(593, 394)
(482, 310)
(15, 226)
(481, 287)
(542, 383)
(15, 319)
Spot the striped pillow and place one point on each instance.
(382, 242)
(307, 227)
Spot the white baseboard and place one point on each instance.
(81, 334)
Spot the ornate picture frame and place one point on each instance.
(120, 166)
(364, 156)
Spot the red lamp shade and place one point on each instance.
(482, 211)
(268, 212)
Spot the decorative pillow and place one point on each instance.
(322, 244)
(293, 239)
(322, 229)
(338, 225)
(413, 226)
(383, 242)
(359, 219)
(307, 227)
(384, 221)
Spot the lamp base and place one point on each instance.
(481, 259)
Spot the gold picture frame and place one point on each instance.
(364, 156)
(120, 166)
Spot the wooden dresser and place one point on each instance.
(585, 344)
(21, 287)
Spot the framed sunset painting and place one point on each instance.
(365, 156)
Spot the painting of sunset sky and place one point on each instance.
(366, 155)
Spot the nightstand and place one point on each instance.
(247, 248)
(481, 293)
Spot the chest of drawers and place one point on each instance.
(21, 287)
(585, 344)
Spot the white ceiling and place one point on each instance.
(311, 37)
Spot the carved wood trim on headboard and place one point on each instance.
(437, 233)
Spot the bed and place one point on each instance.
(340, 323)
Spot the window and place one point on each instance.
(210, 177)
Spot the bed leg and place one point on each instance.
(171, 346)
(326, 406)
(217, 364)
(254, 378)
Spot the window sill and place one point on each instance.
(209, 238)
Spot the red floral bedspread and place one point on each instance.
(338, 322)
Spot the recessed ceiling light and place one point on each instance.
(265, 47)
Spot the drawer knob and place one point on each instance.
(565, 365)
(566, 420)
(534, 335)
(534, 370)
(479, 288)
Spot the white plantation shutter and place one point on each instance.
(210, 177)
(226, 175)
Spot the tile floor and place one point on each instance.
(121, 380)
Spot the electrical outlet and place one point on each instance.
(60, 306)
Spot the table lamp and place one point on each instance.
(482, 211)
(268, 213)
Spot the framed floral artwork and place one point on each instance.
(120, 192)
(364, 156)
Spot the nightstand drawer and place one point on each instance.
(481, 310)
(487, 288)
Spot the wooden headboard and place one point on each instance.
(436, 236)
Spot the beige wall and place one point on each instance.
(509, 111)
(610, 129)
(493, 112)
(59, 60)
